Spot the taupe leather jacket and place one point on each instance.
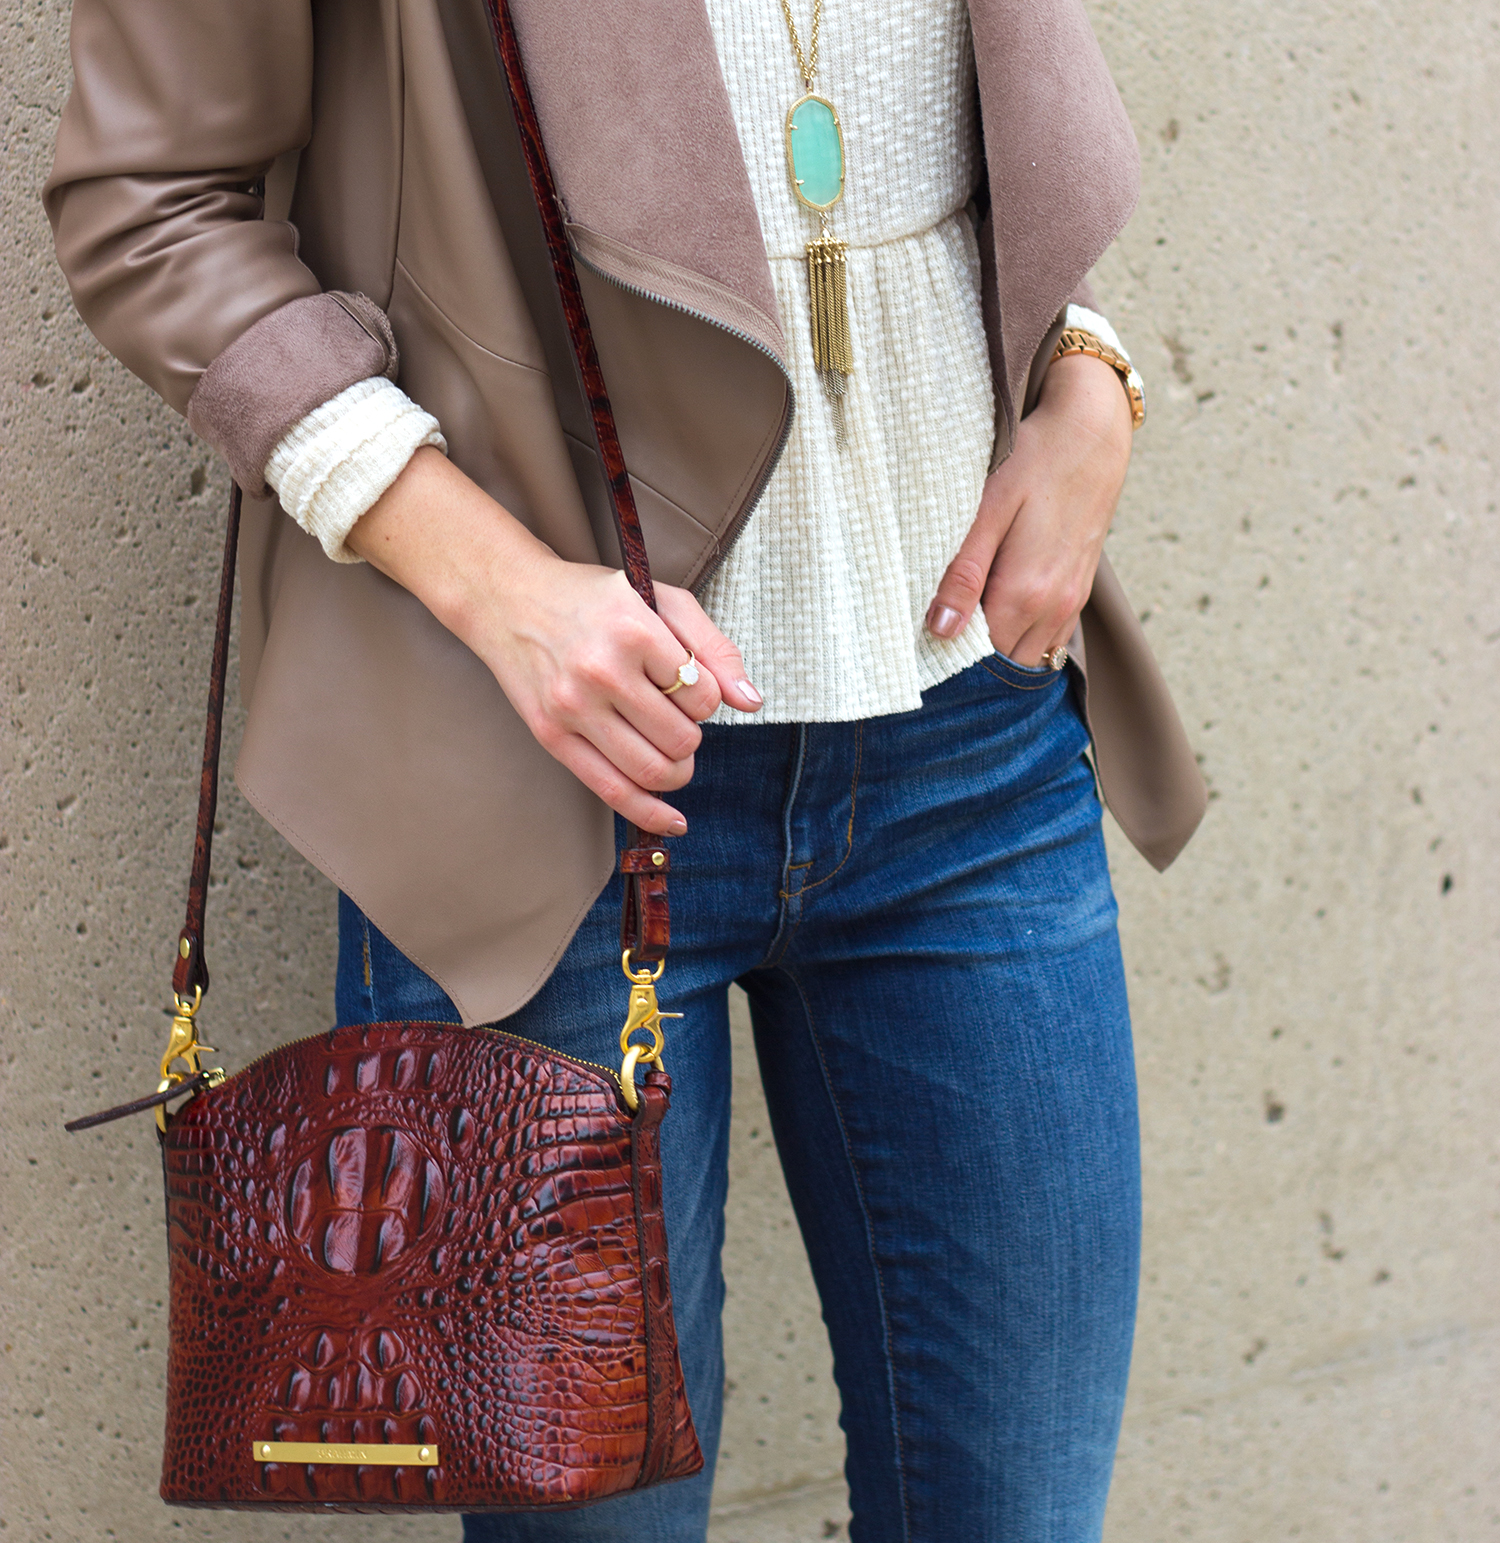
(223, 167)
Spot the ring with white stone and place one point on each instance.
(687, 675)
(1055, 658)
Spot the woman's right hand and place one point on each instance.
(580, 655)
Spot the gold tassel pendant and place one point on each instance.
(833, 350)
(827, 277)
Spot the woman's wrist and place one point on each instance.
(441, 536)
(1089, 393)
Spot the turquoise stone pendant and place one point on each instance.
(815, 152)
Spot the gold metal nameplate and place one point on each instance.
(376, 1453)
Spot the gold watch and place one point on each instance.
(1074, 340)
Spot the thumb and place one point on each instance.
(962, 585)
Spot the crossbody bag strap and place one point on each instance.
(644, 926)
(190, 973)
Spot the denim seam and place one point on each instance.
(369, 972)
(1005, 680)
(786, 931)
(864, 1211)
(859, 750)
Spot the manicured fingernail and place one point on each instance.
(943, 621)
(746, 689)
(678, 827)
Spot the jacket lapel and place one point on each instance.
(637, 122)
(645, 153)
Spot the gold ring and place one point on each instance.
(687, 675)
(1055, 658)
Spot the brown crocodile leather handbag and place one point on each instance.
(417, 1266)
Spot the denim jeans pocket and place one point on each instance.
(1023, 677)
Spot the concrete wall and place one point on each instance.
(1310, 529)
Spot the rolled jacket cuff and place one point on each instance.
(289, 363)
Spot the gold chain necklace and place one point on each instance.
(815, 161)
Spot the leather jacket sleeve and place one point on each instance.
(176, 113)
(178, 110)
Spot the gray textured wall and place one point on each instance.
(1311, 531)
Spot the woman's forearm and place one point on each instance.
(462, 554)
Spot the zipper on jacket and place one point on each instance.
(747, 508)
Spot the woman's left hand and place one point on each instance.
(1030, 556)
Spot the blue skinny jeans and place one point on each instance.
(920, 911)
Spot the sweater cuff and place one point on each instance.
(1085, 320)
(335, 462)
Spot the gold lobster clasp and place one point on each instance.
(643, 1013)
(183, 1045)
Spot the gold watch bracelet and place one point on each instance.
(1074, 340)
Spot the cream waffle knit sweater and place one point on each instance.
(827, 589)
